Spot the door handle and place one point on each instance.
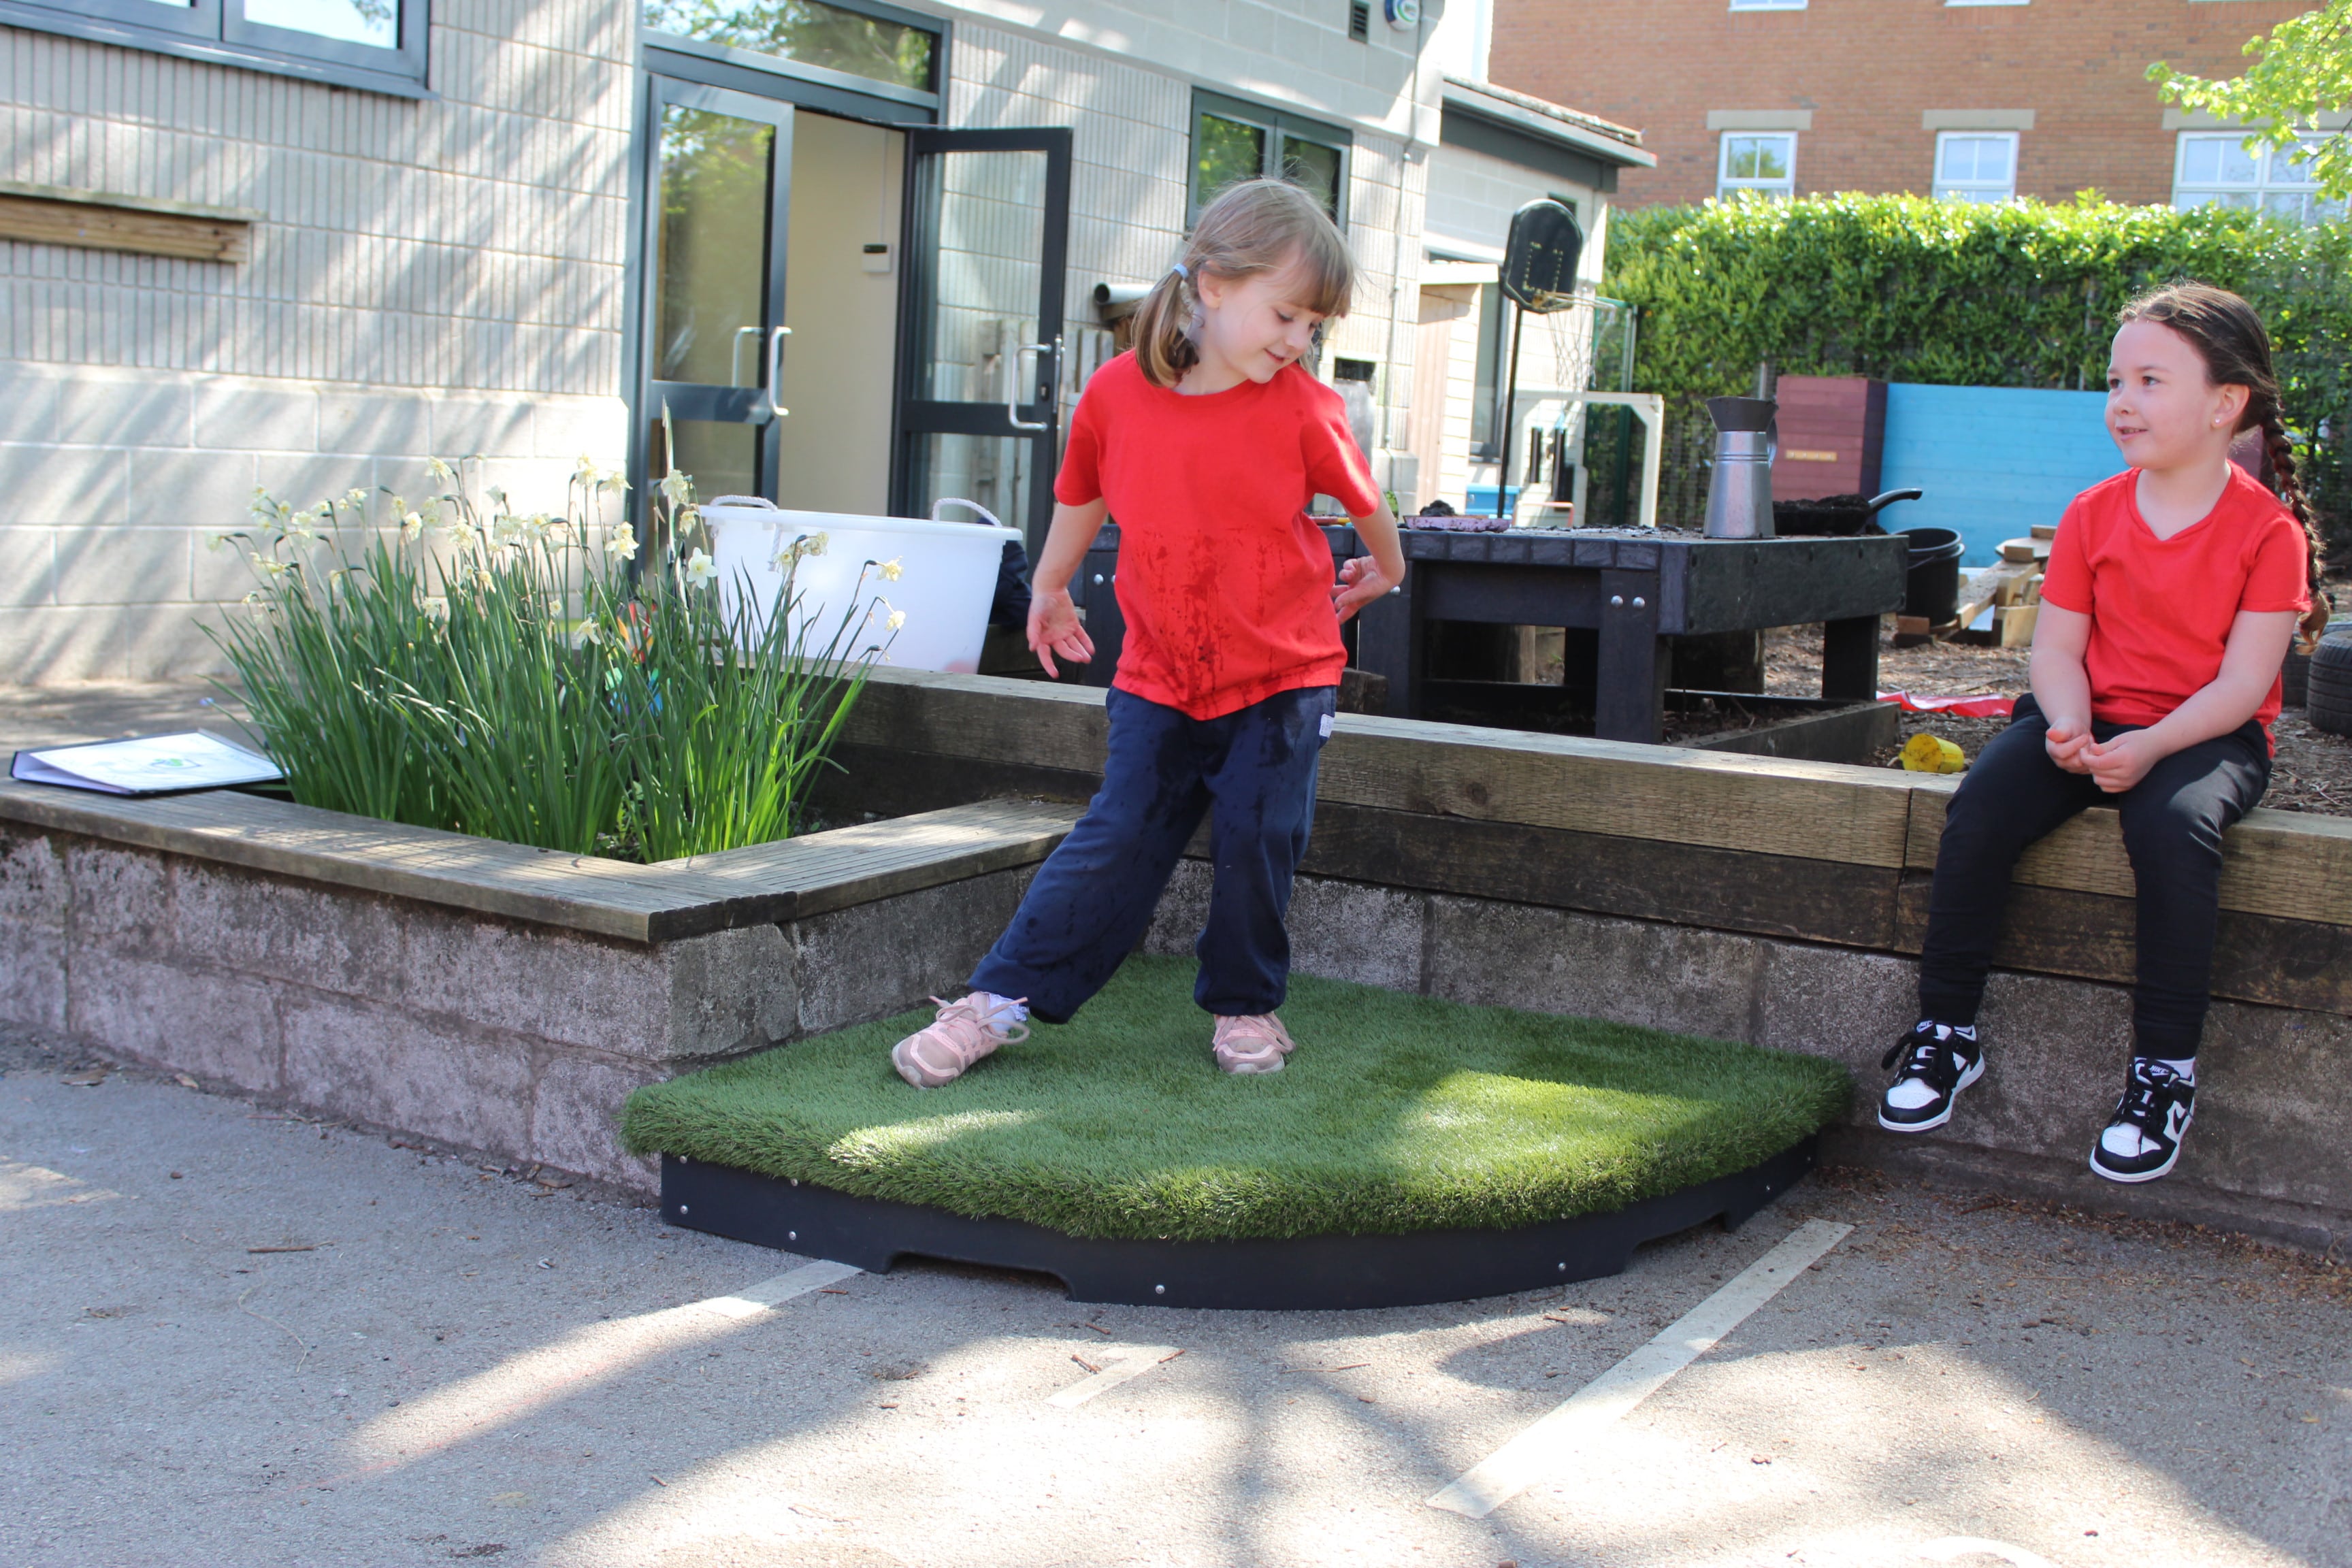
(735, 353)
(776, 371)
(1012, 398)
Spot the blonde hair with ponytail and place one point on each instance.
(2228, 335)
(1252, 226)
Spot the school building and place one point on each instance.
(1975, 100)
(850, 247)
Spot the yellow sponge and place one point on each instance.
(1925, 754)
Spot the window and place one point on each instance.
(1235, 141)
(1487, 384)
(885, 45)
(2221, 170)
(371, 44)
(1763, 162)
(1976, 165)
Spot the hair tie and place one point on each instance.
(1181, 272)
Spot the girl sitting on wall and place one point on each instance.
(2171, 594)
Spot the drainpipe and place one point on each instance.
(1396, 256)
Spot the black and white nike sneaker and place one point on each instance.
(2142, 1141)
(1939, 1060)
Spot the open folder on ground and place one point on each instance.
(148, 764)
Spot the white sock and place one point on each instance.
(1002, 1011)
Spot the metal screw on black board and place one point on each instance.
(794, 1180)
(683, 1209)
(1617, 598)
(1159, 1290)
(791, 1235)
(1563, 1268)
(1637, 602)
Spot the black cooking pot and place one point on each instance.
(1838, 516)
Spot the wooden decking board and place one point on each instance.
(1815, 811)
(786, 880)
(2290, 865)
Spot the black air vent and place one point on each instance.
(1359, 22)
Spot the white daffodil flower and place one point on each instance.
(355, 498)
(699, 567)
(897, 618)
(220, 542)
(438, 470)
(891, 571)
(675, 488)
(411, 526)
(621, 546)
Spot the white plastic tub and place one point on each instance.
(947, 577)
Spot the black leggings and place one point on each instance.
(2173, 820)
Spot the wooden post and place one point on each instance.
(1850, 660)
(1631, 692)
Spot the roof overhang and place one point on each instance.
(1481, 122)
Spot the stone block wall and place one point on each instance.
(512, 1038)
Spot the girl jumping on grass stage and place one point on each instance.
(2166, 608)
(1205, 442)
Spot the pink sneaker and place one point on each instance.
(1255, 1044)
(957, 1038)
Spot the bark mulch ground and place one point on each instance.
(2312, 771)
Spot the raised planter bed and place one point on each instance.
(508, 1000)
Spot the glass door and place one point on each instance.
(980, 365)
(714, 307)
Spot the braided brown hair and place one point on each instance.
(2227, 334)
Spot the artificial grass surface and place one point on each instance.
(1397, 1113)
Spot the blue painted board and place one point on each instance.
(1994, 460)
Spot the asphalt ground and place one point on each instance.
(234, 1335)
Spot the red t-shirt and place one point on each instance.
(1226, 584)
(2161, 609)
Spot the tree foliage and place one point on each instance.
(1960, 294)
(2302, 70)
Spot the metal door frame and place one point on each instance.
(699, 400)
(913, 417)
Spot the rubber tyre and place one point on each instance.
(2328, 701)
(2296, 672)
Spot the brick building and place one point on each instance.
(1957, 97)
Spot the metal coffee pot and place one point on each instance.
(1739, 498)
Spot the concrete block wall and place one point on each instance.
(1866, 71)
(443, 276)
(114, 482)
(512, 1038)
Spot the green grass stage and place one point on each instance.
(1397, 1113)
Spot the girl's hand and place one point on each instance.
(1054, 627)
(2124, 761)
(1360, 582)
(2067, 743)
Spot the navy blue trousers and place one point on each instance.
(1251, 774)
(2172, 820)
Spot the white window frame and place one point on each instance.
(2275, 189)
(1768, 4)
(1727, 185)
(1975, 190)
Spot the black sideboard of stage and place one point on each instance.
(1632, 587)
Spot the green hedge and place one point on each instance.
(2022, 294)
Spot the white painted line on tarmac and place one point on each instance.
(1544, 1448)
(1952, 1548)
(1118, 1364)
(754, 1300)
